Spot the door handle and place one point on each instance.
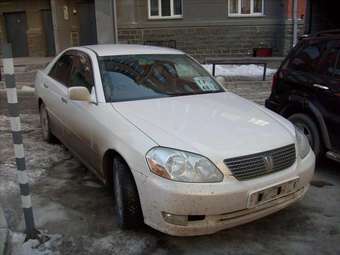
(45, 85)
(320, 86)
(64, 100)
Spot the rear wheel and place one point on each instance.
(310, 129)
(45, 125)
(127, 204)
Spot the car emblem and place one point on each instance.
(268, 163)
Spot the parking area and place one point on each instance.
(77, 210)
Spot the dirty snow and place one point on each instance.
(37, 163)
(239, 70)
(34, 247)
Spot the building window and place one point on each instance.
(165, 9)
(245, 7)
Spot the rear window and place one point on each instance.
(307, 58)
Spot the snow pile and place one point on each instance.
(34, 247)
(239, 70)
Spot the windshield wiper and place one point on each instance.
(195, 93)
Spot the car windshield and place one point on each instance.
(136, 77)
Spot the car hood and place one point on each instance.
(218, 126)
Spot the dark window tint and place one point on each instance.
(62, 69)
(81, 74)
(166, 10)
(337, 67)
(154, 7)
(328, 62)
(178, 7)
(307, 58)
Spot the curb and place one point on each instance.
(4, 233)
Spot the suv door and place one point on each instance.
(298, 74)
(328, 90)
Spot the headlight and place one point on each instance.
(182, 166)
(302, 143)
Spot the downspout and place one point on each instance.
(295, 22)
(115, 26)
(53, 7)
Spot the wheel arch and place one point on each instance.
(107, 163)
(40, 102)
(299, 104)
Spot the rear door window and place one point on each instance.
(330, 62)
(307, 58)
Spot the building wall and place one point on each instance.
(65, 23)
(206, 30)
(35, 35)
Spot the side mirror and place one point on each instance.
(79, 94)
(220, 79)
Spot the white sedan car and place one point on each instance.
(183, 155)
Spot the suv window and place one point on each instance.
(337, 67)
(329, 63)
(81, 74)
(62, 69)
(307, 58)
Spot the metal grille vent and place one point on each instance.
(255, 165)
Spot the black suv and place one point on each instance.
(306, 90)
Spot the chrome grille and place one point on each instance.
(263, 163)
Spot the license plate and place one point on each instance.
(262, 196)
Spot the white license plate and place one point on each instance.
(262, 196)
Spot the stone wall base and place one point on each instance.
(216, 41)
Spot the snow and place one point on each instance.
(37, 163)
(34, 247)
(121, 242)
(239, 70)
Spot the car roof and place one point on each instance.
(129, 49)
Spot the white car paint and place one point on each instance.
(217, 126)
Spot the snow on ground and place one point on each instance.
(239, 70)
(37, 163)
(34, 247)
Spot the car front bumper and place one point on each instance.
(223, 205)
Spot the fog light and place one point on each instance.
(181, 220)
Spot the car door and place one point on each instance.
(328, 90)
(54, 91)
(78, 114)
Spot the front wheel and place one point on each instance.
(310, 129)
(127, 204)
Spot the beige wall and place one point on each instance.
(66, 29)
(35, 35)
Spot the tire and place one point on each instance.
(45, 125)
(127, 205)
(310, 129)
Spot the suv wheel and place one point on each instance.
(309, 128)
(127, 205)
